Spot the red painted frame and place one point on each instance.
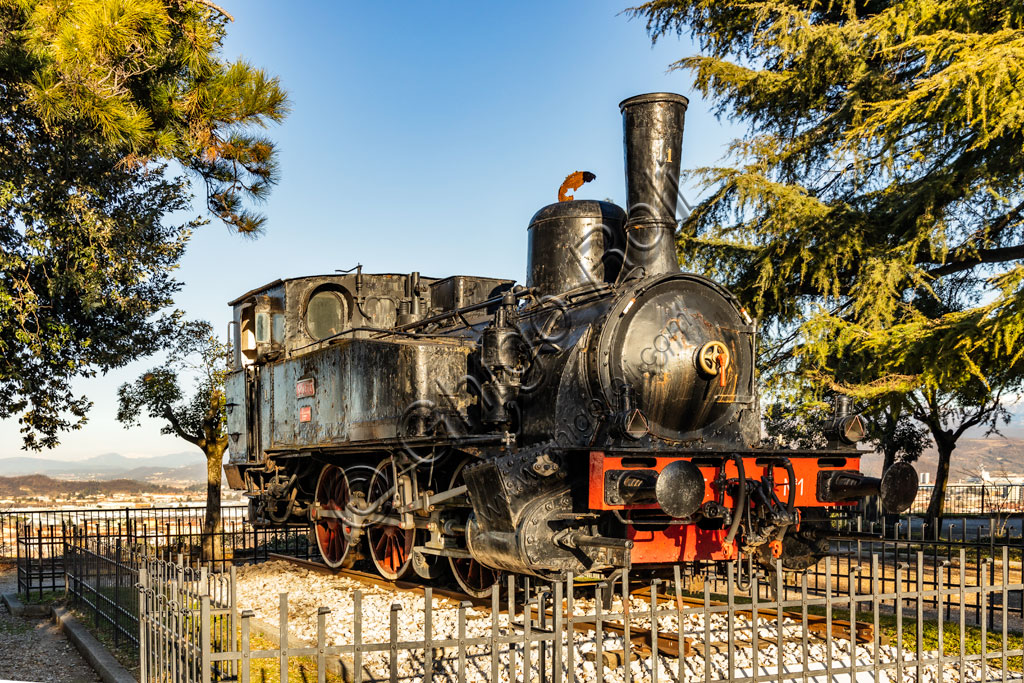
(687, 542)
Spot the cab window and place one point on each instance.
(326, 314)
(247, 333)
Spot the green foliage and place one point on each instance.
(97, 97)
(873, 215)
(786, 427)
(198, 417)
(893, 432)
(145, 79)
(87, 267)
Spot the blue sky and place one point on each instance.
(422, 136)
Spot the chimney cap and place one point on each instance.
(654, 97)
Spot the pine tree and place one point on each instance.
(98, 99)
(873, 216)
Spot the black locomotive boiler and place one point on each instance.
(605, 414)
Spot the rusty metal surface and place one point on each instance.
(573, 182)
(363, 389)
(572, 245)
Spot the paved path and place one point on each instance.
(34, 649)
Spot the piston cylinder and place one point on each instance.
(896, 489)
(653, 131)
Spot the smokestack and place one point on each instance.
(653, 130)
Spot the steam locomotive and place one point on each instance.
(605, 415)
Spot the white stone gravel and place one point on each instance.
(259, 587)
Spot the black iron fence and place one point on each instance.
(43, 535)
(101, 580)
(967, 550)
(8, 536)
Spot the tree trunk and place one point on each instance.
(213, 546)
(933, 518)
(888, 457)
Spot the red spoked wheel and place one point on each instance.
(390, 545)
(474, 578)
(333, 529)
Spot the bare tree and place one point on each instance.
(198, 418)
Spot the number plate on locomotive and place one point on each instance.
(305, 387)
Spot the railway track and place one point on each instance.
(643, 642)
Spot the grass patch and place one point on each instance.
(269, 670)
(126, 655)
(44, 598)
(951, 636)
(14, 627)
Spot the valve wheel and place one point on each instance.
(712, 358)
(474, 579)
(333, 531)
(390, 545)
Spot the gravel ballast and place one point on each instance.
(259, 587)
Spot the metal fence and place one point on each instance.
(101, 579)
(42, 535)
(974, 499)
(186, 614)
(633, 628)
(968, 550)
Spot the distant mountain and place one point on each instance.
(193, 472)
(176, 469)
(97, 466)
(998, 455)
(41, 485)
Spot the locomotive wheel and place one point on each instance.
(390, 545)
(333, 532)
(474, 578)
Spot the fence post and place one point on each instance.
(42, 567)
(99, 580)
(244, 672)
(206, 671)
(141, 590)
(117, 591)
(321, 643)
(282, 636)
(17, 551)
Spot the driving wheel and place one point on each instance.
(474, 578)
(333, 531)
(390, 544)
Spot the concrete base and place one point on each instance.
(98, 656)
(19, 609)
